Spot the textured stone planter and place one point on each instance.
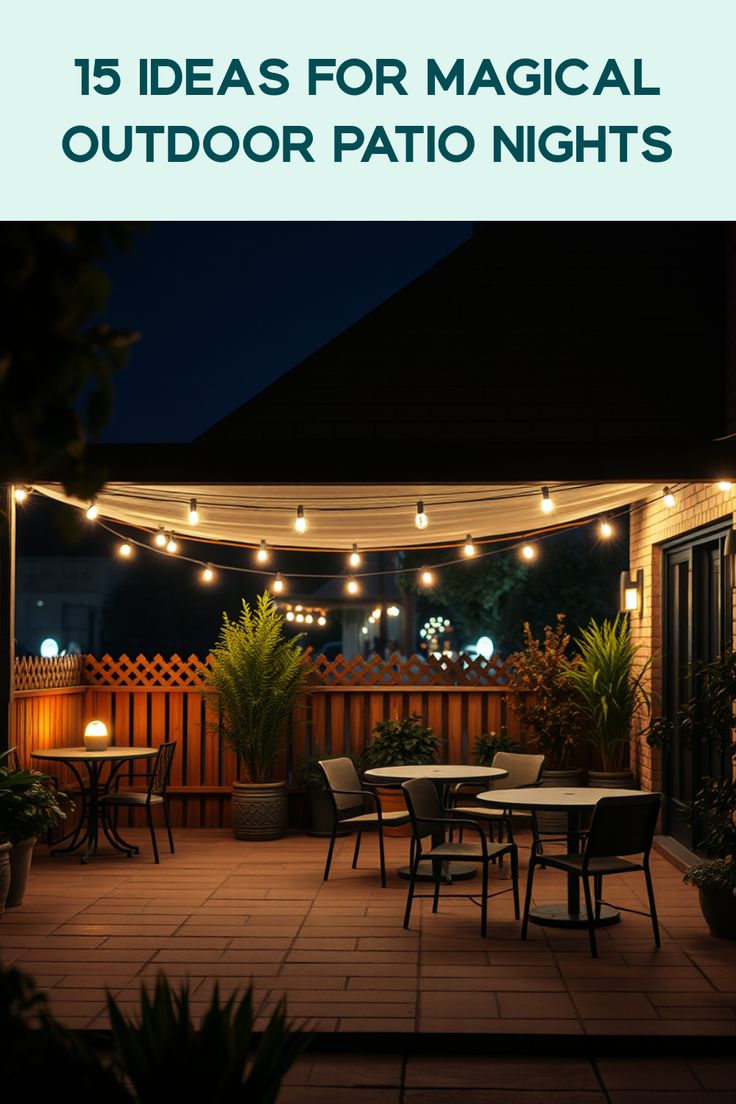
(4, 874)
(21, 856)
(260, 810)
(612, 780)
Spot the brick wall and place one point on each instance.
(698, 505)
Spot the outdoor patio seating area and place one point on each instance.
(222, 911)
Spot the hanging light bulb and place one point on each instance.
(208, 574)
(308, 618)
(277, 586)
(262, 553)
(289, 615)
(469, 547)
(354, 558)
(160, 539)
(724, 486)
(421, 520)
(605, 529)
(426, 578)
(668, 498)
(547, 504)
(171, 545)
(321, 620)
(393, 611)
(92, 510)
(300, 617)
(193, 512)
(125, 550)
(301, 522)
(377, 612)
(529, 552)
(352, 586)
(20, 494)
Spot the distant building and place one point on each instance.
(61, 598)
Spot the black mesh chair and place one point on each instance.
(148, 799)
(428, 818)
(621, 826)
(349, 801)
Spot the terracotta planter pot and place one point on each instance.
(260, 810)
(719, 911)
(21, 856)
(556, 823)
(392, 800)
(4, 874)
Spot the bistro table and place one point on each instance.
(443, 775)
(574, 801)
(86, 833)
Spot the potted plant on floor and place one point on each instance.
(610, 691)
(394, 743)
(260, 675)
(29, 808)
(706, 723)
(321, 808)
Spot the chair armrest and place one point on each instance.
(128, 777)
(454, 822)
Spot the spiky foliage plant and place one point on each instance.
(165, 1057)
(609, 686)
(401, 740)
(259, 674)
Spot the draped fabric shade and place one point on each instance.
(373, 516)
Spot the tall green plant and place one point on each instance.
(609, 688)
(259, 675)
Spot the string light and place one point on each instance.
(160, 538)
(605, 529)
(20, 494)
(193, 512)
(308, 618)
(92, 510)
(352, 586)
(125, 550)
(421, 520)
(426, 578)
(262, 553)
(529, 552)
(208, 574)
(546, 504)
(321, 620)
(469, 547)
(277, 586)
(354, 558)
(289, 615)
(377, 612)
(393, 611)
(171, 545)
(668, 498)
(724, 486)
(301, 522)
(300, 617)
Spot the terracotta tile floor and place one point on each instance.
(222, 911)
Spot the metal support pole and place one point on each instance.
(7, 612)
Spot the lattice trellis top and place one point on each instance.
(172, 672)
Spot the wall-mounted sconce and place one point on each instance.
(631, 592)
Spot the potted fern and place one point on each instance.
(259, 674)
(609, 686)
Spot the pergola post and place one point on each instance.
(7, 612)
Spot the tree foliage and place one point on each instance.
(57, 353)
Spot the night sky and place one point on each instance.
(226, 308)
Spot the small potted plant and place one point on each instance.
(707, 722)
(487, 745)
(321, 809)
(29, 808)
(259, 675)
(610, 690)
(394, 743)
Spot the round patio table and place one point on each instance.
(443, 775)
(86, 833)
(572, 800)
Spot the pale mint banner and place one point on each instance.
(169, 109)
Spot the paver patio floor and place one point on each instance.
(226, 911)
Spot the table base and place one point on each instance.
(558, 916)
(458, 872)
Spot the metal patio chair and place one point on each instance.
(149, 799)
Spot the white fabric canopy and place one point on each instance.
(373, 516)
